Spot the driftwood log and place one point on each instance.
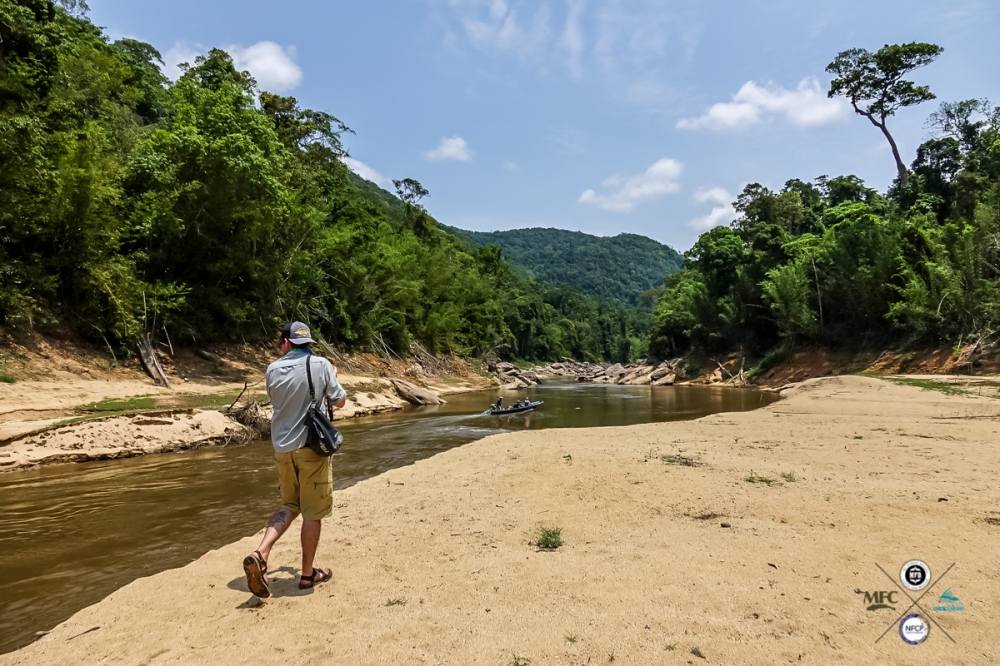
(415, 395)
(150, 363)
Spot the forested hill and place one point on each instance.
(619, 267)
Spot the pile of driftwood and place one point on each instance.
(252, 415)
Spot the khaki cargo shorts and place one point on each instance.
(306, 483)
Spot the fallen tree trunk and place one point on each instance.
(149, 361)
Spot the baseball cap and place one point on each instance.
(297, 333)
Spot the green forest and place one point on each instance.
(214, 211)
(835, 263)
(619, 267)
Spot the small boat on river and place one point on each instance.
(514, 409)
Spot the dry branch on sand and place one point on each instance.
(254, 417)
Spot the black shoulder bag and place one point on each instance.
(321, 436)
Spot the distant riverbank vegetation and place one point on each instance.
(212, 210)
(835, 263)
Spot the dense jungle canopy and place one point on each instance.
(129, 203)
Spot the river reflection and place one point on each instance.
(72, 534)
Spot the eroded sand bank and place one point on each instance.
(432, 562)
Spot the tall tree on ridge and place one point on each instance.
(874, 84)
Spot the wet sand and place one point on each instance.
(433, 563)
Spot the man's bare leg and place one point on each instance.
(310, 542)
(276, 526)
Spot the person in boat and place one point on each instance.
(498, 405)
(304, 477)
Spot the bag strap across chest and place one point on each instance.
(312, 392)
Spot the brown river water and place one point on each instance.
(72, 534)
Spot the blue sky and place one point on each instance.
(638, 116)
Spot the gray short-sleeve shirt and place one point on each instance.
(288, 390)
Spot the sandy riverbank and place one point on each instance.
(433, 564)
(75, 412)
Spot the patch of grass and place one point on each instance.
(549, 538)
(779, 354)
(70, 421)
(219, 400)
(789, 476)
(396, 601)
(571, 638)
(919, 382)
(181, 401)
(680, 459)
(765, 480)
(519, 661)
(6, 379)
(124, 405)
(568, 458)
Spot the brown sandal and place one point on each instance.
(255, 567)
(318, 576)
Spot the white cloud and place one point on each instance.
(806, 106)
(365, 171)
(716, 195)
(722, 212)
(511, 166)
(450, 148)
(623, 194)
(271, 64)
(175, 55)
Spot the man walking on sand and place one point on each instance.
(304, 477)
